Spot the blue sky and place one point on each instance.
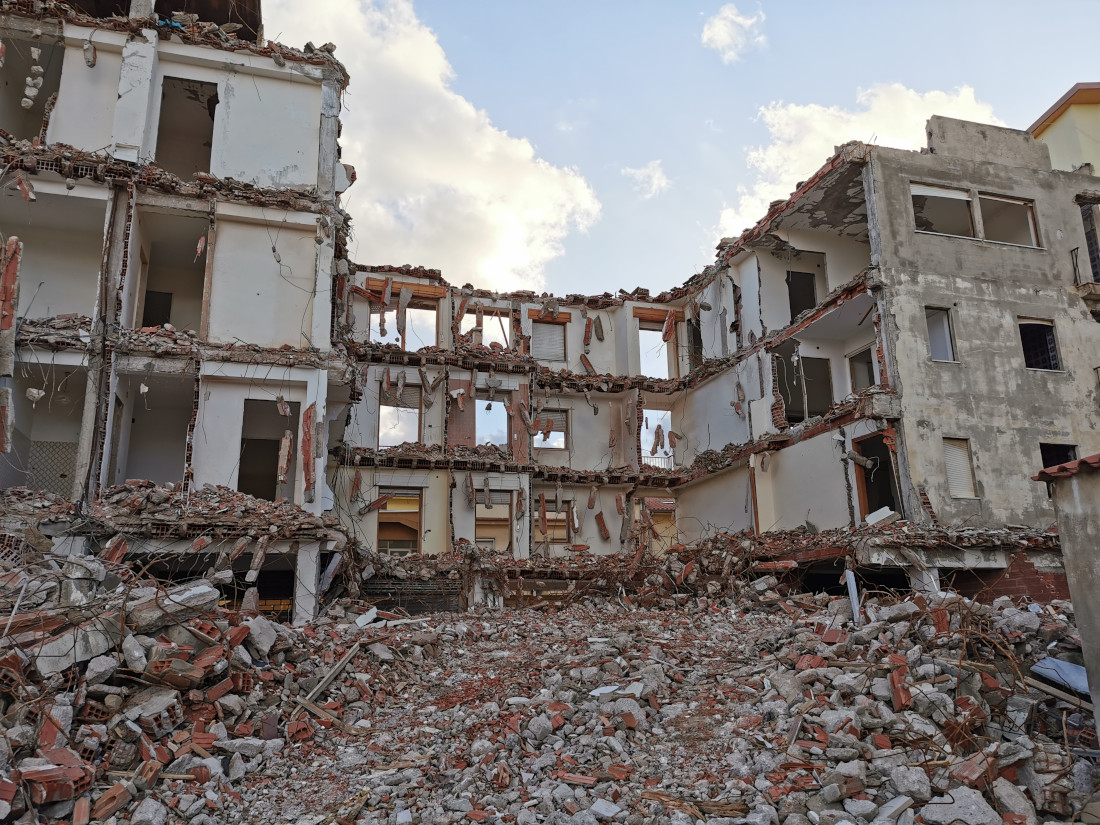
(494, 140)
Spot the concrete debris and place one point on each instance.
(746, 705)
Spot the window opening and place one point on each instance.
(493, 519)
(1006, 220)
(1092, 243)
(801, 292)
(547, 341)
(494, 326)
(398, 416)
(554, 427)
(862, 369)
(804, 382)
(652, 350)
(941, 340)
(421, 329)
(399, 521)
(185, 132)
(263, 432)
(1040, 346)
(492, 419)
(655, 441)
(172, 276)
(941, 210)
(875, 484)
(557, 528)
(959, 468)
(695, 344)
(1055, 454)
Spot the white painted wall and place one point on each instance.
(218, 427)
(589, 434)
(705, 417)
(804, 482)
(590, 531)
(85, 113)
(266, 129)
(253, 297)
(721, 502)
(844, 257)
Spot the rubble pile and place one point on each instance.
(700, 714)
(125, 697)
(142, 506)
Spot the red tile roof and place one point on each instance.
(660, 505)
(1068, 469)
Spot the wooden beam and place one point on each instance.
(421, 292)
(562, 317)
(657, 315)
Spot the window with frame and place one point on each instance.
(553, 430)
(1008, 220)
(945, 211)
(959, 468)
(1039, 344)
(801, 292)
(421, 326)
(652, 350)
(942, 210)
(547, 341)
(941, 338)
(399, 521)
(398, 415)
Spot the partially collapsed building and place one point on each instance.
(185, 342)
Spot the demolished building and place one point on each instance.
(185, 338)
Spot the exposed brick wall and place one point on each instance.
(1021, 579)
(779, 410)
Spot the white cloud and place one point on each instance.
(803, 137)
(731, 33)
(439, 185)
(650, 180)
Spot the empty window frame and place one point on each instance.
(1054, 454)
(1092, 242)
(266, 470)
(557, 522)
(495, 324)
(399, 521)
(421, 327)
(959, 468)
(553, 430)
(547, 341)
(1039, 344)
(652, 350)
(491, 420)
(941, 338)
(861, 367)
(398, 416)
(941, 210)
(493, 519)
(1008, 220)
(185, 131)
(801, 292)
(695, 344)
(793, 373)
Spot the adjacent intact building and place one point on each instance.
(904, 336)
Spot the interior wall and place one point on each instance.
(255, 298)
(85, 112)
(69, 271)
(219, 425)
(722, 502)
(844, 257)
(158, 431)
(255, 140)
(804, 482)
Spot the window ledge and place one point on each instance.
(966, 498)
(979, 240)
(938, 361)
(1047, 372)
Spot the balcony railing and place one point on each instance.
(663, 461)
